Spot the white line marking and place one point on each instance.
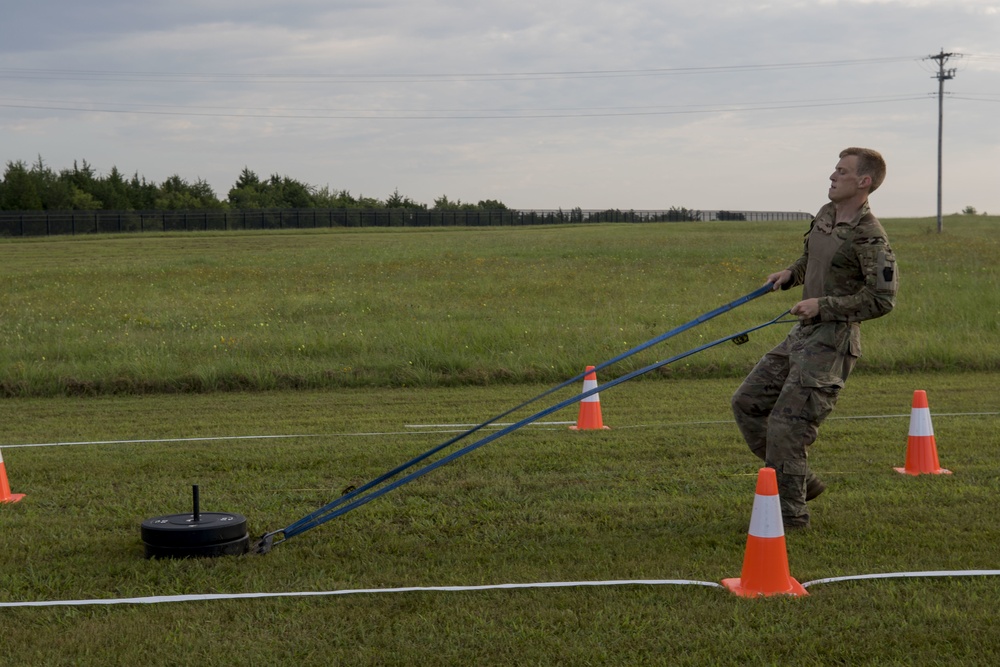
(158, 599)
(155, 599)
(898, 575)
(493, 425)
(443, 429)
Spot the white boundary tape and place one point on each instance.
(167, 440)
(425, 428)
(156, 599)
(160, 599)
(492, 425)
(901, 575)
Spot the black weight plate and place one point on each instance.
(236, 547)
(181, 530)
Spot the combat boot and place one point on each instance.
(814, 487)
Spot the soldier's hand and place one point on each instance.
(778, 279)
(806, 308)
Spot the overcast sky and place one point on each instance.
(632, 104)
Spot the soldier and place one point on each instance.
(848, 274)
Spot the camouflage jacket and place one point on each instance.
(857, 277)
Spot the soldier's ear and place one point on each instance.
(865, 181)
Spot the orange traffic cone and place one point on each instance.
(765, 562)
(5, 495)
(921, 450)
(590, 407)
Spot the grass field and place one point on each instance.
(665, 494)
(426, 307)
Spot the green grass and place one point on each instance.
(125, 339)
(665, 494)
(446, 307)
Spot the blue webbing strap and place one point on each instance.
(764, 289)
(303, 525)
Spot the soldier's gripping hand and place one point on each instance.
(778, 279)
(806, 308)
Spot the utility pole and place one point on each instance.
(942, 76)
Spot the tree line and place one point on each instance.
(37, 187)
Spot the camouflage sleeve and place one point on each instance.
(872, 293)
(798, 267)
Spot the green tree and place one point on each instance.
(397, 200)
(142, 193)
(369, 202)
(18, 191)
(203, 192)
(246, 193)
(730, 215)
(250, 192)
(83, 201)
(247, 179)
(113, 191)
(56, 194)
(682, 214)
(177, 194)
(324, 197)
(442, 203)
(289, 193)
(84, 177)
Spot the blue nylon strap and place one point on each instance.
(308, 519)
(355, 499)
(304, 525)
(405, 466)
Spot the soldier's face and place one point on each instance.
(844, 181)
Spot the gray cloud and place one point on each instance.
(540, 105)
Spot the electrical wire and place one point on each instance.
(194, 77)
(404, 115)
(644, 107)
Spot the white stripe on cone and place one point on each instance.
(589, 385)
(765, 519)
(920, 422)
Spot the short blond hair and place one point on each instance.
(870, 163)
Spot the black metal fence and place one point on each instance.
(43, 223)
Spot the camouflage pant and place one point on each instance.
(789, 393)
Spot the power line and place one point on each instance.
(124, 107)
(490, 114)
(298, 78)
(975, 97)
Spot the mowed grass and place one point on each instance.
(665, 494)
(445, 307)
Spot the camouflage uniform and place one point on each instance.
(851, 269)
